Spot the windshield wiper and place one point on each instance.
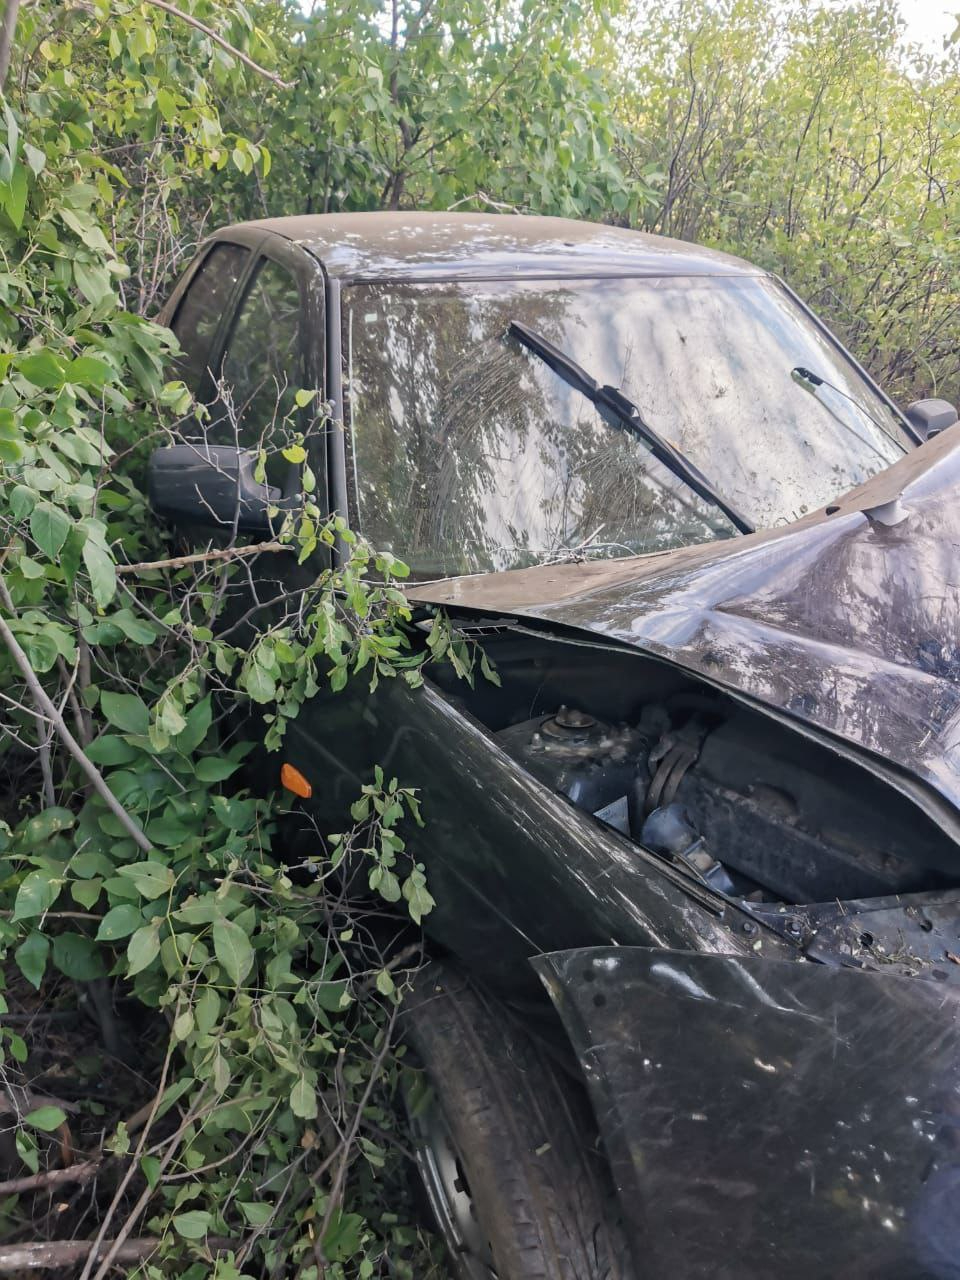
(811, 381)
(627, 415)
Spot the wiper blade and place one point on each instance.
(628, 415)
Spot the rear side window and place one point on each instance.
(202, 307)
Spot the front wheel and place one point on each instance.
(504, 1146)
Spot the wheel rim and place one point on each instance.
(448, 1191)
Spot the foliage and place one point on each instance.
(827, 154)
(267, 1126)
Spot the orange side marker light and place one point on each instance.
(293, 780)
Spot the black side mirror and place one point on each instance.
(212, 485)
(930, 417)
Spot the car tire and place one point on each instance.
(504, 1145)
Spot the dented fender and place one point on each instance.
(770, 1118)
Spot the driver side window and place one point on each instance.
(262, 370)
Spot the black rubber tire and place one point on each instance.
(524, 1137)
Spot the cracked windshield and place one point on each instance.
(470, 454)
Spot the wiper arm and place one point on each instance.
(811, 381)
(627, 415)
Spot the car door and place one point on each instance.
(249, 320)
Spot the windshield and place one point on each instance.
(469, 453)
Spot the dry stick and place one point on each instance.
(200, 557)
(224, 44)
(67, 1253)
(7, 27)
(81, 1172)
(43, 733)
(69, 741)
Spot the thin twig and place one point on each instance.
(69, 741)
(224, 44)
(200, 557)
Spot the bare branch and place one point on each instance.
(40, 1255)
(227, 553)
(224, 44)
(48, 709)
(81, 1172)
(8, 26)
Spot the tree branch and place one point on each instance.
(227, 553)
(7, 28)
(224, 44)
(81, 1172)
(38, 1256)
(45, 705)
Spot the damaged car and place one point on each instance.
(692, 1008)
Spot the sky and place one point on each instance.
(930, 21)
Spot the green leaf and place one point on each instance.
(77, 956)
(256, 1212)
(49, 527)
(193, 1225)
(136, 629)
(37, 894)
(232, 948)
(38, 829)
(110, 750)
(195, 727)
(259, 684)
(150, 1168)
(93, 281)
(151, 879)
(103, 574)
(303, 1099)
(119, 922)
(143, 948)
(88, 371)
(22, 501)
(43, 369)
(31, 957)
(86, 892)
(419, 902)
(41, 650)
(45, 1118)
(213, 769)
(125, 711)
(27, 1150)
(15, 201)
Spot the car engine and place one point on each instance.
(748, 806)
(740, 806)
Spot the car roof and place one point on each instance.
(397, 246)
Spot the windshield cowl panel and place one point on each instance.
(470, 454)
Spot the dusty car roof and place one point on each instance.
(432, 245)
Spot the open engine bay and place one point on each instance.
(745, 805)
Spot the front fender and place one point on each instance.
(771, 1118)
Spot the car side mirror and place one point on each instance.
(212, 485)
(930, 417)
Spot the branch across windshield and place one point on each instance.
(470, 454)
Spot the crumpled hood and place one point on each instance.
(848, 620)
